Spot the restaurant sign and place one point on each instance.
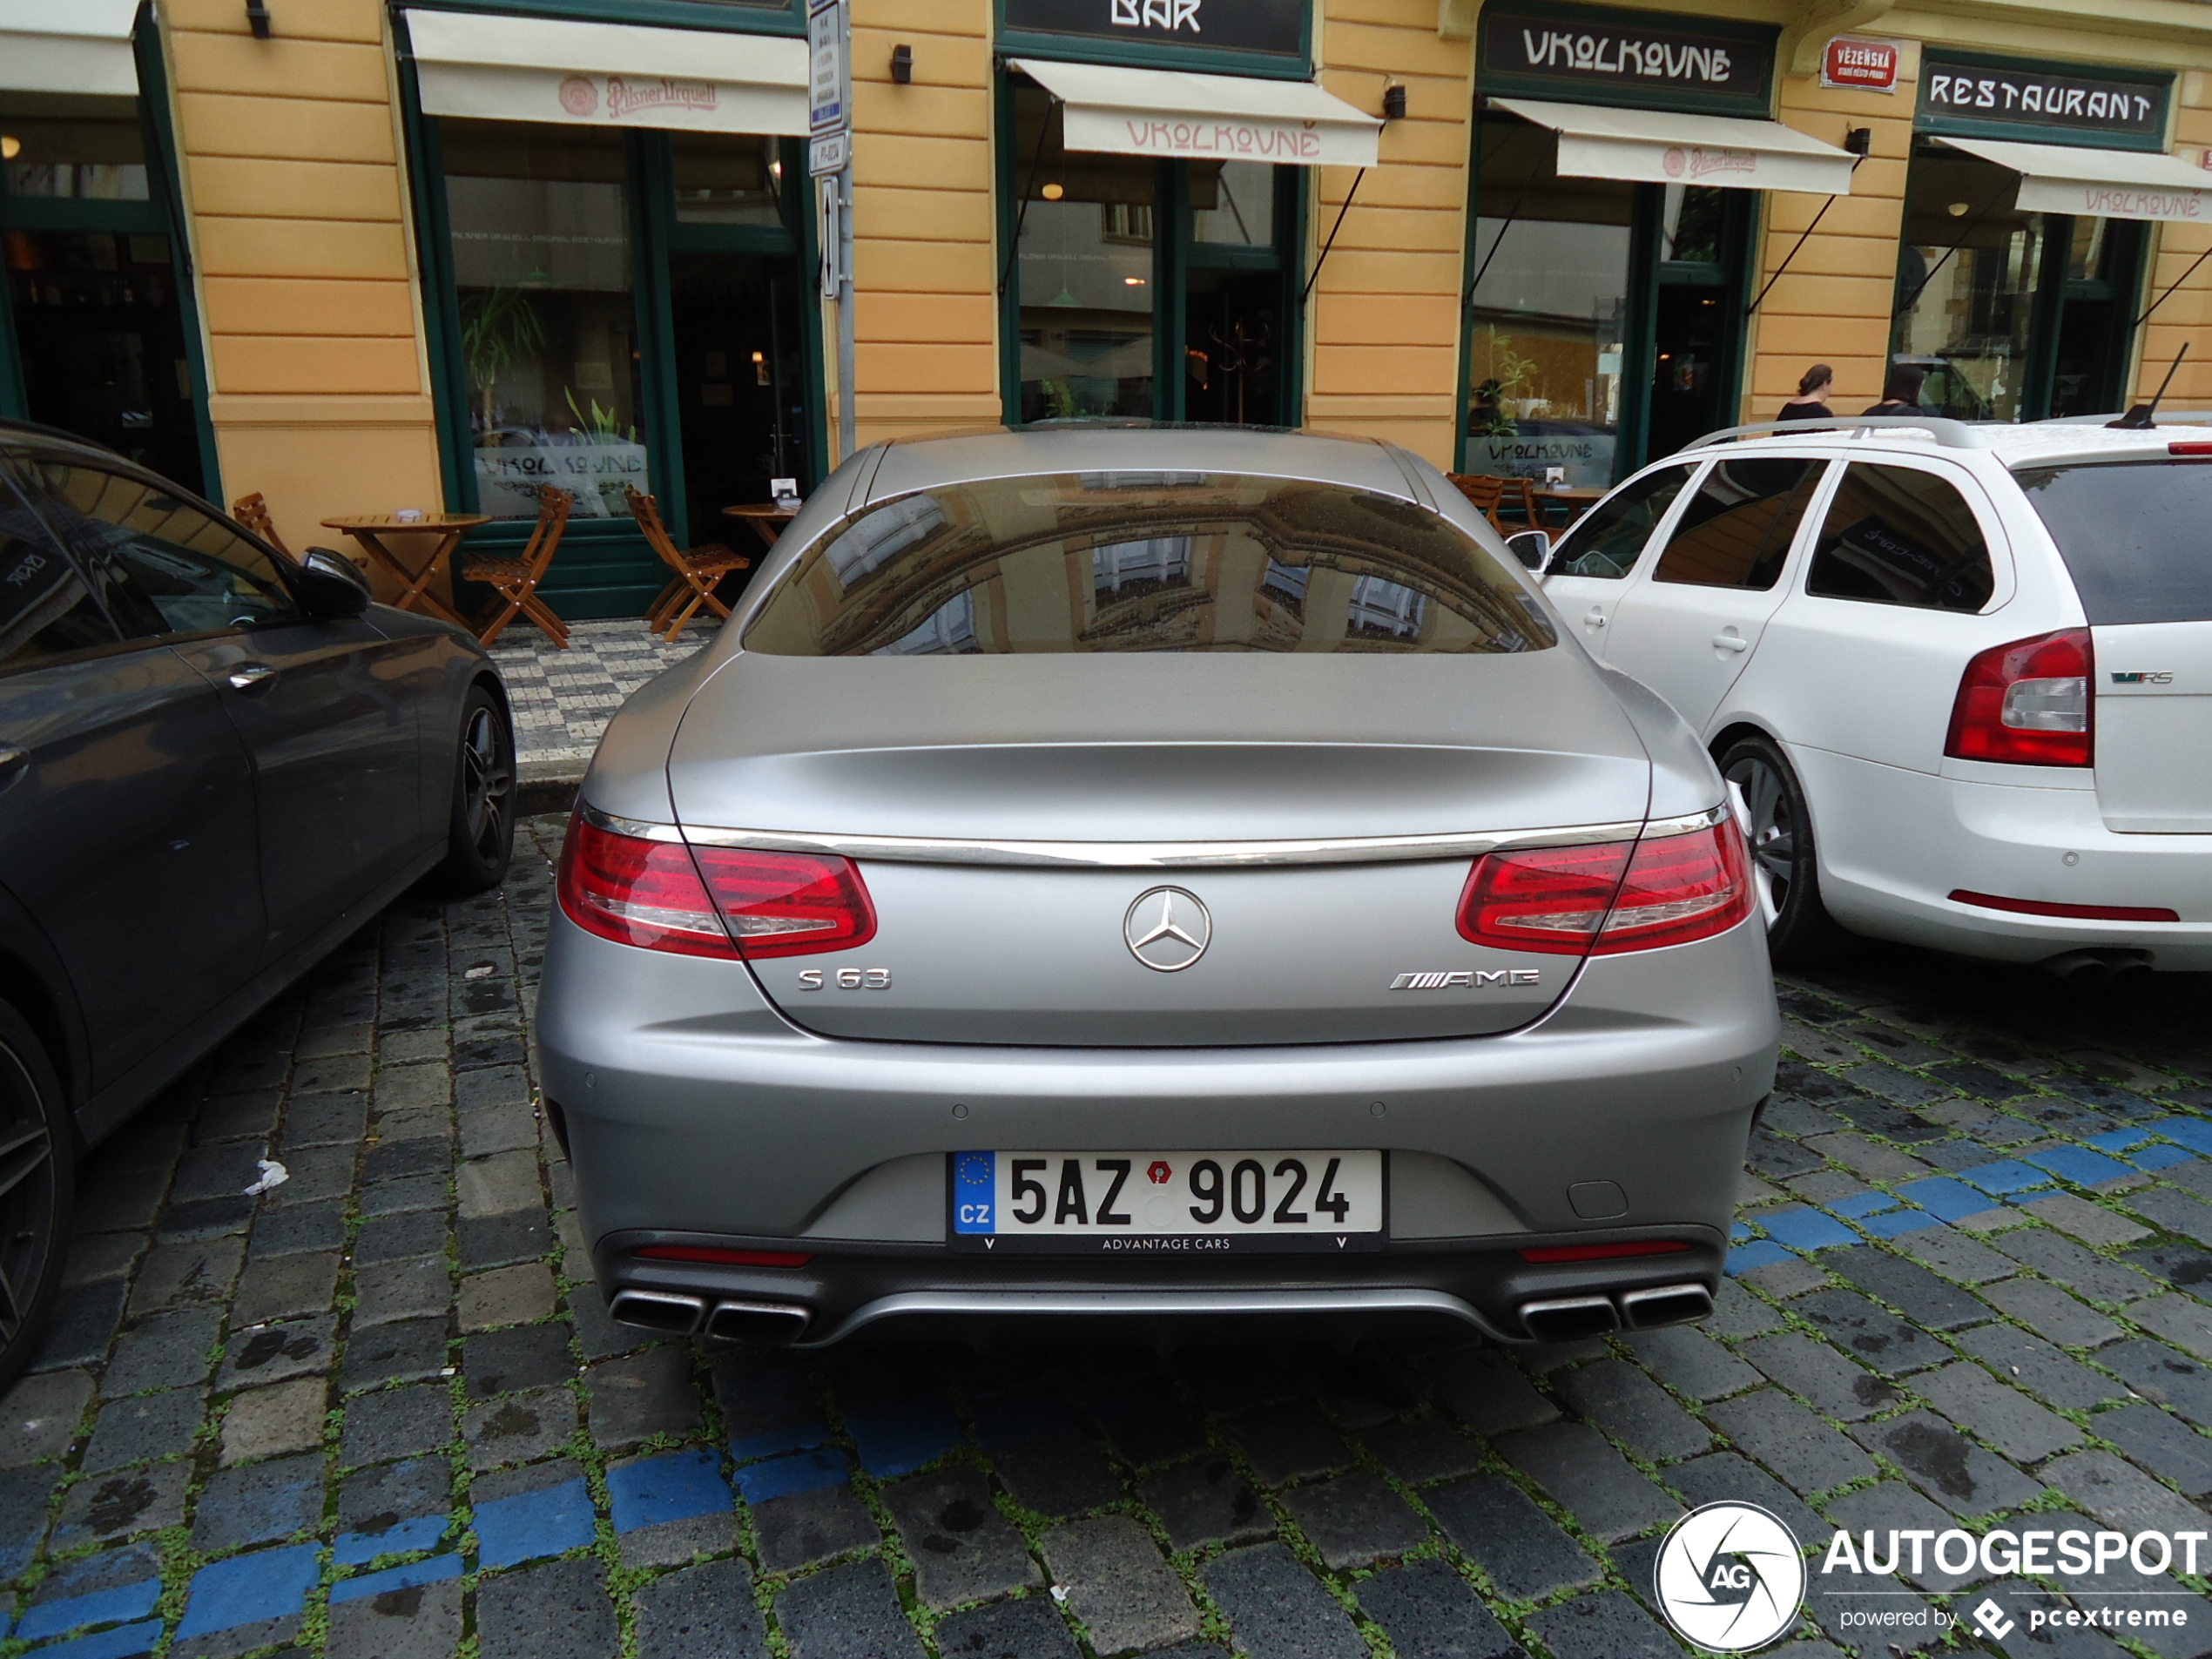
(2052, 103)
(1273, 28)
(1645, 59)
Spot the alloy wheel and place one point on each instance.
(1772, 832)
(487, 780)
(29, 1196)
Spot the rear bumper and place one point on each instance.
(1405, 1289)
(696, 1115)
(1895, 843)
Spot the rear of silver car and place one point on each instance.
(1194, 960)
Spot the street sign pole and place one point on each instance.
(829, 35)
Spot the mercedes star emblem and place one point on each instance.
(1167, 930)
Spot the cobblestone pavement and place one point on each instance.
(564, 700)
(379, 1410)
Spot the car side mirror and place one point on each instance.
(1532, 548)
(330, 586)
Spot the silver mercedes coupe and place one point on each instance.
(1174, 883)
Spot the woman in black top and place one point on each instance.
(1902, 394)
(1812, 401)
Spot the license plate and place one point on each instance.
(1180, 1203)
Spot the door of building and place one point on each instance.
(620, 310)
(97, 336)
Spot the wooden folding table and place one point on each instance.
(414, 585)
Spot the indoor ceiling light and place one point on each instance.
(1052, 192)
(11, 146)
(1958, 210)
(1133, 282)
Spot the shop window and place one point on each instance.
(720, 180)
(96, 307)
(1737, 529)
(1144, 288)
(1897, 536)
(539, 219)
(1550, 311)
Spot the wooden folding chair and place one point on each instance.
(1489, 494)
(697, 572)
(253, 511)
(515, 580)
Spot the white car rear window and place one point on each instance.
(2135, 534)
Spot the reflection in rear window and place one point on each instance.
(1129, 561)
(2135, 534)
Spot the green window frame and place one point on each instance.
(611, 555)
(1176, 255)
(161, 214)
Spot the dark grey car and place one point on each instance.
(1173, 879)
(215, 763)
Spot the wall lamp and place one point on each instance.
(902, 65)
(257, 19)
(1859, 140)
(1393, 103)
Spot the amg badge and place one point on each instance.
(1471, 977)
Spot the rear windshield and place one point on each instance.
(2136, 535)
(1128, 560)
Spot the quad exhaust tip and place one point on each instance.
(674, 1314)
(1571, 1319)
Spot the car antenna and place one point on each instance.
(2139, 418)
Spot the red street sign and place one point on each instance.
(1867, 66)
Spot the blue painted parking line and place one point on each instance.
(2192, 1132)
(807, 1471)
(1806, 1229)
(101, 1607)
(1860, 1205)
(1945, 1198)
(2154, 1158)
(2006, 1176)
(2117, 1141)
(127, 1643)
(1895, 1224)
(551, 1521)
(246, 1590)
(436, 1570)
(898, 1439)
(2078, 1165)
(1760, 1253)
(674, 1487)
(798, 1436)
(401, 1538)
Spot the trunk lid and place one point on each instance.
(2154, 726)
(1044, 750)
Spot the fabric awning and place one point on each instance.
(80, 46)
(2111, 184)
(1206, 117)
(606, 74)
(1662, 147)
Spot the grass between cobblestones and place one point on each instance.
(1969, 1285)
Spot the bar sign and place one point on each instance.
(1862, 65)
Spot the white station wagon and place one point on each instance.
(1961, 676)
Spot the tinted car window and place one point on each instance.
(1897, 536)
(1605, 540)
(1144, 562)
(48, 606)
(1735, 532)
(2133, 535)
(194, 573)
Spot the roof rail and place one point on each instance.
(2163, 417)
(1952, 435)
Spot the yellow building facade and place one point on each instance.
(357, 258)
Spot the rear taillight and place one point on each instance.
(710, 901)
(1619, 896)
(787, 904)
(2026, 704)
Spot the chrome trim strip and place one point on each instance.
(636, 828)
(1169, 855)
(1140, 1304)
